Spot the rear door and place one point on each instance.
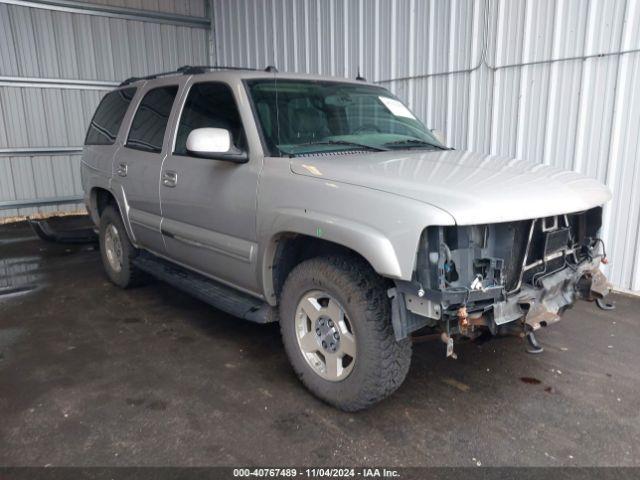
(209, 206)
(137, 165)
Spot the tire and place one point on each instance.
(127, 275)
(380, 363)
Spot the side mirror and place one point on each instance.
(214, 143)
(439, 135)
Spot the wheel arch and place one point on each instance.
(99, 199)
(287, 249)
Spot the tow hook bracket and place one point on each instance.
(604, 305)
(539, 316)
(532, 344)
(593, 285)
(599, 285)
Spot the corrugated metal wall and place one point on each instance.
(575, 103)
(56, 62)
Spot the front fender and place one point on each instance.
(383, 228)
(372, 244)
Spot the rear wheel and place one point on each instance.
(336, 329)
(117, 251)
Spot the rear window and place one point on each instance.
(150, 122)
(106, 122)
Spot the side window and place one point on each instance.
(106, 122)
(209, 105)
(150, 122)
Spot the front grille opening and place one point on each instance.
(511, 254)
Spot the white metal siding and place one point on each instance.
(581, 114)
(98, 50)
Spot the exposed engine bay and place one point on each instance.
(499, 277)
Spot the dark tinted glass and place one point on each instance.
(209, 105)
(150, 123)
(105, 123)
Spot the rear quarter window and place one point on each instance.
(106, 122)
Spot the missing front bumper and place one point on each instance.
(535, 307)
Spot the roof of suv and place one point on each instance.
(237, 72)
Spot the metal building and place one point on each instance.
(57, 59)
(553, 81)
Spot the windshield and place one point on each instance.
(303, 117)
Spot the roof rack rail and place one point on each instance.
(152, 76)
(193, 70)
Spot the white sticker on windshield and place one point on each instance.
(396, 107)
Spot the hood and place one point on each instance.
(473, 188)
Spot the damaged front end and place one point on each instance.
(512, 277)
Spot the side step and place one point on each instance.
(214, 293)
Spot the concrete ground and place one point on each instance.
(94, 375)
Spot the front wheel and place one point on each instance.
(336, 329)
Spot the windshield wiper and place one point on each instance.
(348, 144)
(414, 142)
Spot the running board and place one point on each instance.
(209, 291)
(70, 230)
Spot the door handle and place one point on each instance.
(169, 178)
(122, 169)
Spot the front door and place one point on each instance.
(209, 206)
(137, 164)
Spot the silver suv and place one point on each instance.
(326, 205)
